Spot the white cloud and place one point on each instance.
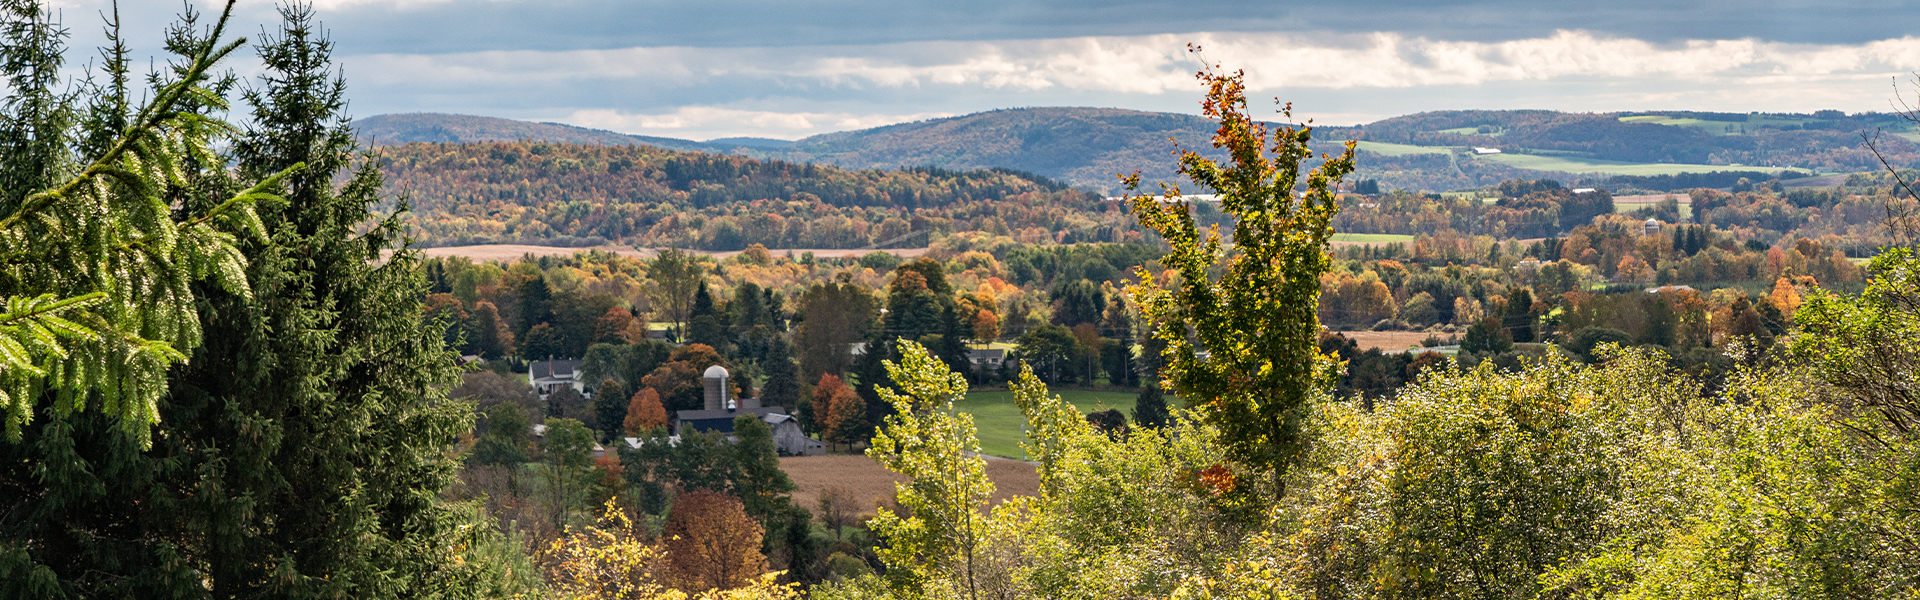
(1158, 63)
(796, 91)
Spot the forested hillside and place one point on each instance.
(1089, 147)
(388, 130)
(568, 194)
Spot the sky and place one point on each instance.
(703, 69)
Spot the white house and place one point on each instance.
(1483, 151)
(548, 375)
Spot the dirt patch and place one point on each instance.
(867, 481)
(509, 252)
(1386, 340)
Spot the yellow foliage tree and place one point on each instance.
(611, 562)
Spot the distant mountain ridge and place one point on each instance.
(395, 129)
(1090, 147)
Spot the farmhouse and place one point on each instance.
(1484, 151)
(548, 375)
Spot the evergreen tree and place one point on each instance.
(1519, 318)
(783, 377)
(705, 324)
(300, 452)
(953, 341)
(1150, 407)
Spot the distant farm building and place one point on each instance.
(719, 410)
(1478, 150)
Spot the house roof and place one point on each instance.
(722, 420)
(552, 369)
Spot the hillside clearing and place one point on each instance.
(1573, 164)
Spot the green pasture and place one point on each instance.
(1572, 164)
(1471, 131)
(1372, 238)
(1686, 207)
(1400, 149)
(999, 419)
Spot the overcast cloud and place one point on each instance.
(789, 69)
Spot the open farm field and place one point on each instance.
(1370, 238)
(1388, 149)
(1572, 164)
(999, 419)
(1386, 340)
(867, 481)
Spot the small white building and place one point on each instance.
(1484, 151)
(1651, 227)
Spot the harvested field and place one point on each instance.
(1386, 340)
(508, 252)
(867, 481)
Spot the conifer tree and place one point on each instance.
(300, 452)
(783, 376)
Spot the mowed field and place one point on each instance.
(868, 483)
(1626, 204)
(999, 420)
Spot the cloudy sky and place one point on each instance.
(701, 69)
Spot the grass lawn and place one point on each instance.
(1371, 238)
(1400, 149)
(1573, 164)
(999, 419)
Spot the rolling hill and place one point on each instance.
(1089, 147)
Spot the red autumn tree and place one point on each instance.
(712, 543)
(843, 412)
(644, 412)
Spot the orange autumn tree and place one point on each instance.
(843, 414)
(712, 543)
(645, 412)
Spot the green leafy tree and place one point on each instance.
(507, 437)
(610, 402)
(763, 488)
(676, 276)
(929, 442)
(568, 456)
(1257, 324)
(833, 317)
(1487, 336)
(1053, 353)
